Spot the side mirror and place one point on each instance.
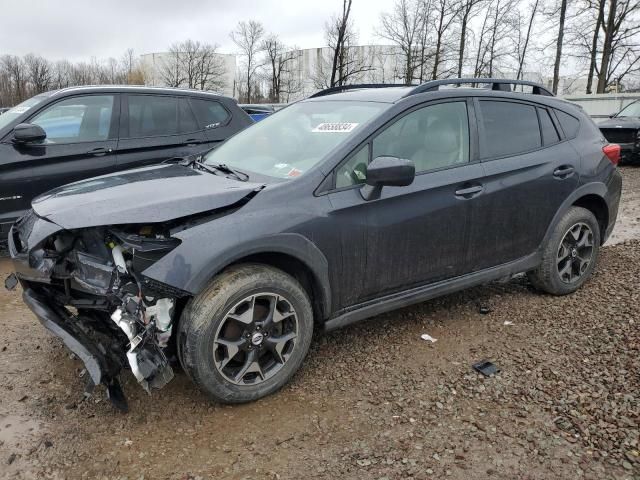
(387, 171)
(28, 133)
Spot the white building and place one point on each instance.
(153, 63)
(309, 70)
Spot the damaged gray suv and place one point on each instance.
(356, 201)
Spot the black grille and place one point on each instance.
(619, 135)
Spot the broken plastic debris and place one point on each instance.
(486, 368)
(508, 322)
(484, 310)
(428, 338)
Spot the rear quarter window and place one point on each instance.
(570, 124)
(209, 113)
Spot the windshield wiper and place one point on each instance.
(221, 167)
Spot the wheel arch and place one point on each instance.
(291, 253)
(591, 196)
(598, 206)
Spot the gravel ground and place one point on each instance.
(373, 400)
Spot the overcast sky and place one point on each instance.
(81, 29)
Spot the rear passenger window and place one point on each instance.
(549, 132)
(569, 123)
(209, 113)
(152, 115)
(509, 128)
(188, 121)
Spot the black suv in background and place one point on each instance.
(329, 211)
(623, 128)
(67, 135)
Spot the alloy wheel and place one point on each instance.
(575, 253)
(255, 339)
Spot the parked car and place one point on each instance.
(623, 128)
(67, 135)
(4, 110)
(332, 210)
(257, 112)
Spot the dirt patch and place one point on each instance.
(371, 401)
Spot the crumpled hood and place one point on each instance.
(620, 122)
(145, 195)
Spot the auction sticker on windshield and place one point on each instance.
(341, 127)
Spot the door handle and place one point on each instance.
(469, 192)
(564, 171)
(191, 142)
(99, 152)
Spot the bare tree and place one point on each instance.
(345, 62)
(403, 27)
(38, 70)
(210, 69)
(170, 69)
(561, 10)
(465, 14)
(279, 60)
(620, 51)
(593, 52)
(248, 36)
(444, 14)
(129, 64)
(522, 53)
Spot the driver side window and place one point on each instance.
(77, 119)
(433, 137)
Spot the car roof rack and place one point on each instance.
(501, 84)
(359, 86)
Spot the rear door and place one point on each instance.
(529, 172)
(81, 142)
(154, 128)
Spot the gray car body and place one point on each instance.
(225, 221)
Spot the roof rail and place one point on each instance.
(502, 84)
(344, 88)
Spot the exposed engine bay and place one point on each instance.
(86, 286)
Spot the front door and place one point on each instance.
(80, 143)
(412, 235)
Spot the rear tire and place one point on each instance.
(570, 255)
(246, 334)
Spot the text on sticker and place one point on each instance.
(342, 127)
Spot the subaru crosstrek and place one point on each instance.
(332, 210)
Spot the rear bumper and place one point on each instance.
(100, 366)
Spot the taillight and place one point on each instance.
(612, 151)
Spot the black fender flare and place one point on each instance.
(595, 188)
(290, 244)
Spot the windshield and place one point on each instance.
(10, 115)
(291, 141)
(632, 110)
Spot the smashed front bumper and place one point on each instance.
(84, 289)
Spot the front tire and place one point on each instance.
(570, 254)
(246, 334)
